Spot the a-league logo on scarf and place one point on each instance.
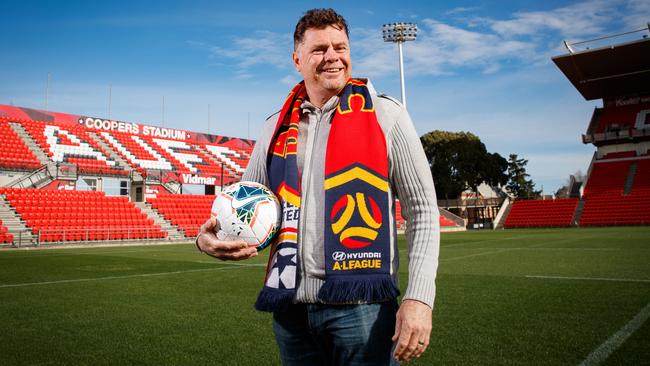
(357, 232)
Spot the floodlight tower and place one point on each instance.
(400, 33)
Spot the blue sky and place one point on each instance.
(478, 66)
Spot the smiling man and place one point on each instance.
(337, 155)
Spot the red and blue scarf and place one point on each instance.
(357, 231)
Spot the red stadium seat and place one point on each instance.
(77, 213)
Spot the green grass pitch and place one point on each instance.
(542, 297)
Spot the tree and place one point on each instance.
(459, 161)
(518, 183)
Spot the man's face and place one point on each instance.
(323, 59)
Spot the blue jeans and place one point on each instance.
(318, 334)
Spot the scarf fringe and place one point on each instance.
(358, 288)
(273, 299)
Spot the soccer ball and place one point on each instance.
(247, 211)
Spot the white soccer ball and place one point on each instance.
(247, 211)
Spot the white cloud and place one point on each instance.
(574, 21)
(487, 45)
(290, 80)
(482, 44)
(637, 14)
(440, 49)
(263, 48)
(460, 10)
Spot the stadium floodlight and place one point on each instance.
(400, 33)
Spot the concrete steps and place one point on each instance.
(40, 154)
(502, 216)
(173, 233)
(223, 164)
(578, 214)
(16, 226)
(630, 179)
(115, 156)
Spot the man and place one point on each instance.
(336, 155)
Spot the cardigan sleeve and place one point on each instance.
(411, 179)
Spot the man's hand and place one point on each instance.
(412, 330)
(225, 250)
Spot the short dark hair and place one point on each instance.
(319, 19)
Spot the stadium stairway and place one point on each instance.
(115, 156)
(630, 179)
(171, 187)
(172, 231)
(227, 164)
(38, 178)
(578, 214)
(450, 222)
(500, 224)
(29, 141)
(10, 219)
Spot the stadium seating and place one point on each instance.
(236, 159)
(5, 236)
(145, 152)
(14, 154)
(607, 178)
(80, 216)
(605, 210)
(72, 144)
(542, 213)
(641, 185)
(605, 202)
(401, 222)
(187, 212)
(622, 117)
(619, 154)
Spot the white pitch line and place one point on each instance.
(590, 278)
(601, 353)
(539, 248)
(230, 266)
(233, 264)
(474, 255)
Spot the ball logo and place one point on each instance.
(339, 256)
(356, 236)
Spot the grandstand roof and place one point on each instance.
(609, 72)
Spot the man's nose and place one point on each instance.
(331, 55)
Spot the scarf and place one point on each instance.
(357, 233)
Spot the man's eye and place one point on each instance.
(318, 52)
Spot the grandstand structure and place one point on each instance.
(68, 178)
(72, 178)
(617, 186)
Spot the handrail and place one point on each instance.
(17, 183)
(86, 234)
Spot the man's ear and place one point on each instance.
(296, 61)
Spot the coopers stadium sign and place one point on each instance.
(133, 128)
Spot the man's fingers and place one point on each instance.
(237, 255)
(398, 326)
(408, 345)
(403, 343)
(212, 225)
(227, 247)
(422, 346)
